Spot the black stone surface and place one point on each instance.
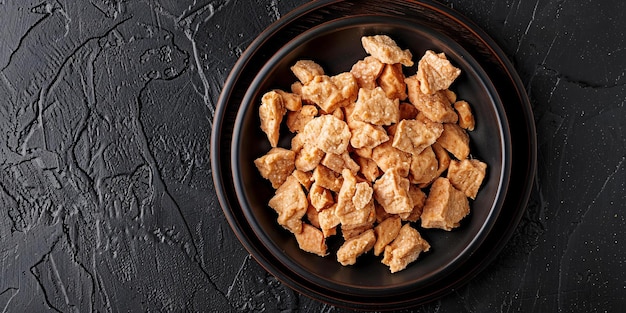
(106, 197)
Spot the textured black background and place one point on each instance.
(106, 196)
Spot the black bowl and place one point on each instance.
(329, 33)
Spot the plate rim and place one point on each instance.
(222, 108)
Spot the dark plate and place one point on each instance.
(329, 32)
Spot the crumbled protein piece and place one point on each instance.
(418, 198)
(366, 72)
(445, 206)
(306, 70)
(386, 231)
(308, 158)
(276, 165)
(271, 113)
(337, 162)
(328, 133)
(404, 249)
(355, 247)
(435, 72)
(305, 178)
(291, 101)
(330, 93)
(298, 119)
(364, 152)
(327, 178)
(386, 50)
(347, 212)
(388, 158)
(328, 221)
(298, 142)
(413, 136)
(291, 205)
(362, 195)
(435, 107)
(320, 197)
(443, 159)
(296, 88)
(391, 80)
(392, 192)
(423, 167)
(312, 240)
(466, 118)
(467, 175)
(373, 106)
(347, 85)
(456, 140)
(369, 168)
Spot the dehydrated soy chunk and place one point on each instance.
(328, 133)
(366, 72)
(392, 192)
(353, 248)
(413, 136)
(306, 70)
(445, 206)
(373, 106)
(467, 175)
(435, 72)
(291, 204)
(386, 50)
(276, 165)
(271, 113)
(312, 240)
(435, 107)
(405, 249)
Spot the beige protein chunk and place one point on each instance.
(337, 162)
(445, 206)
(423, 167)
(320, 197)
(291, 205)
(331, 93)
(386, 231)
(405, 249)
(456, 140)
(355, 247)
(306, 70)
(366, 72)
(328, 133)
(308, 157)
(413, 136)
(327, 178)
(443, 159)
(305, 178)
(373, 106)
(328, 221)
(466, 118)
(362, 195)
(386, 50)
(391, 80)
(436, 106)
(291, 101)
(392, 192)
(388, 158)
(271, 113)
(312, 240)
(298, 119)
(435, 72)
(276, 165)
(418, 198)
(364, 134)
(381, 214)
(350, 231)
(369, 168)
(467, 175)
(347, 212)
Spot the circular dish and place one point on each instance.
(323, 31)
